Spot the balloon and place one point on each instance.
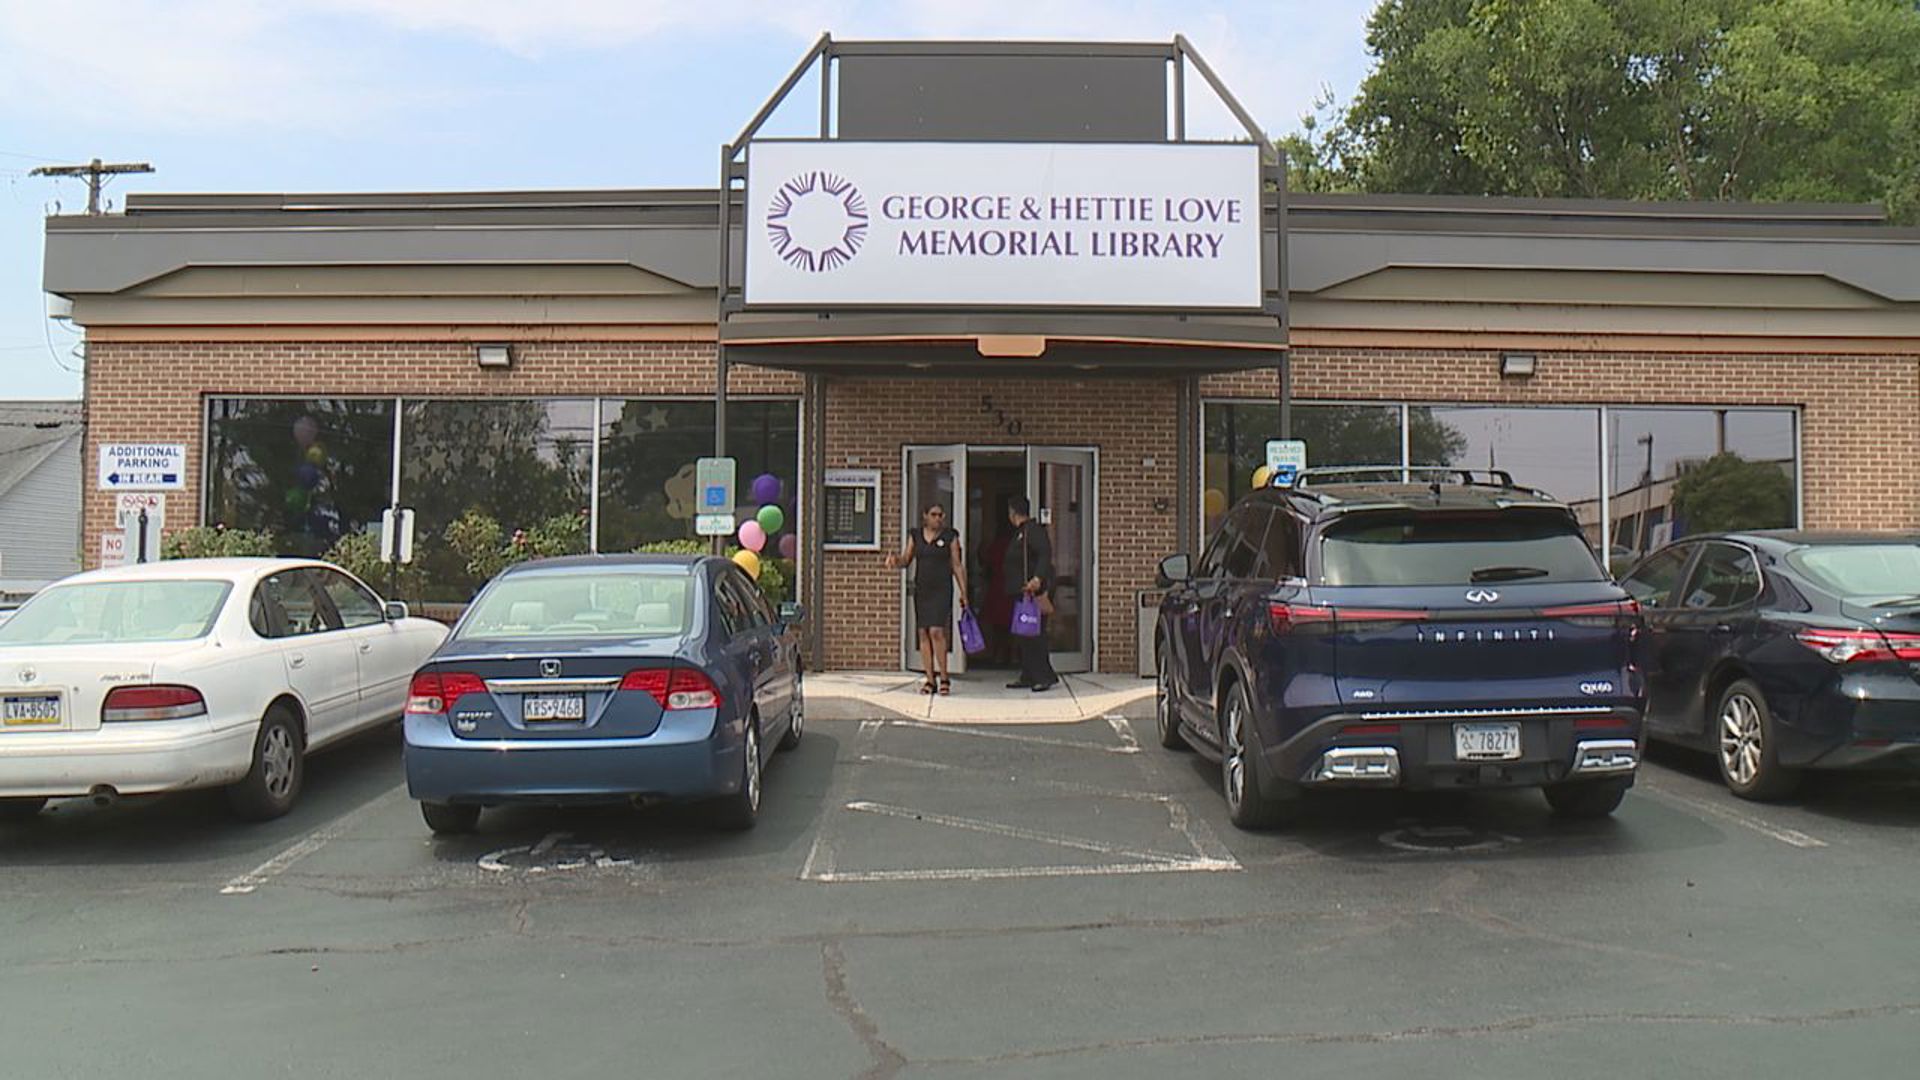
(308, 475)
(766, 488)
(1261, 475)
(749, 562)
(297, 500)
(304, 430)
(771, 518)
(1215, 502)
(317, 454)
(752, 536)
(789, 545)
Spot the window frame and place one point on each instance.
(1688, 550)
(1699, 565)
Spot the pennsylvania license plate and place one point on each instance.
(1486, 742)
(30, 710)
(537, 707)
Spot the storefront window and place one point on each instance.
(1554, 449)
(1237, 434)
(306, 472)
(1677, 472)
(506, 464)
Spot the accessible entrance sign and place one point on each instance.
(1103, 225)
(713, 480)
(143, 467)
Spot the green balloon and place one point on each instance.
(771, 518)
(297, 500)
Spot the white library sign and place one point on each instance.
(1003, 224)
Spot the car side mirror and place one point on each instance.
(1174, 570)
(394, 610)
(793, 612)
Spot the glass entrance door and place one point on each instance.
(934, 474)
(1061, 485)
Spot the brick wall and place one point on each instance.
(1130, 421)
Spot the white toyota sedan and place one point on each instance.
(196, 673)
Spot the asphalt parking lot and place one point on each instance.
(950, 901)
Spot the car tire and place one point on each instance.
(450, 819)
(21, 809)
(797, 717)
(1250, 803)
(1586, 799)
(273, 781)
(738, 812)
(1747, 745)
(1165, 722)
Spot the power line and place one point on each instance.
(96, 173)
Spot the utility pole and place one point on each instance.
(96, 173)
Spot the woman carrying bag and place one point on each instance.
(1028, 574)
(933, 550)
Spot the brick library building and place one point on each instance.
(994, 270)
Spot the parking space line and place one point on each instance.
(1791, 837)
(246, 883)
(998, 774)
(1007, 873)
(820, 856)
(993, 828)
(1040, 740)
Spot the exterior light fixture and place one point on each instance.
(1517, 365)
(493, 356)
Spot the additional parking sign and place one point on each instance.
(143, 466)
(1287, 458)
(713, 479)
(113, 549)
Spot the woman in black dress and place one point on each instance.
(933, 550)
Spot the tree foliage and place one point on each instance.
(1727, 493)
(215, 542)
(1642, 99)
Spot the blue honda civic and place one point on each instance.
(604, 679)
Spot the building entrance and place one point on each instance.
(973, 484)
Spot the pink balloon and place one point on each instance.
(789, 546)
(752, 536)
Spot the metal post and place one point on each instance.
(1286, 395)
(140, 549)
(812, 505)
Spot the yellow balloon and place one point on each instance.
(749, 562)
(1262, 475)
(1215, 502)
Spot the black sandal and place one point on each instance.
(946, 685)
(927, 687)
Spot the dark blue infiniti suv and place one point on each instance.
(1439, 630)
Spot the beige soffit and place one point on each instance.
(1602, 287)
(402, 281)
(1898, 322)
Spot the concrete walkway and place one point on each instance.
(978, 698)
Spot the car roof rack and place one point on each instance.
(1431, 475)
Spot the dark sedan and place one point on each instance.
(1781, 651)
(599, 679)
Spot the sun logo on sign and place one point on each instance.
(817, 221)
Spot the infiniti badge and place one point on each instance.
(1482, 596)
(549, 669)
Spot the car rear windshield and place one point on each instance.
(1862, 570)
(633, 602)
(117, 612)
(1456, 549)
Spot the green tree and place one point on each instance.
(1727, 492)
(1637, 99)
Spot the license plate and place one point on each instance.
(30, 710)
(554, 707)
(1486, 742)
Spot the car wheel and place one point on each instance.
(797, 724)
(450, 819)
(279, 767)
(1749, 745)
(1249, 804)
(1586, 799)
(21, 809)
(741, 809)
(1165, 722)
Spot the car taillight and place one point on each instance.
(1860, 646)
(674, 688)
(1603, 614)
(1347, 614)
(152, 703)
(1286, 617)
(437, 691)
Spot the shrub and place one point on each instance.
(773, 572)
(216, 542)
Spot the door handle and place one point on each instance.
(366, 646)
(1723, 628)
(298, 660)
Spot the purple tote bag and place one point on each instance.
(1026, 616)
(971, 639)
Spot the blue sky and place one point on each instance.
(372, 95)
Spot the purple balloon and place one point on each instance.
(308, 475)
(789, 546)
(767, 488)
